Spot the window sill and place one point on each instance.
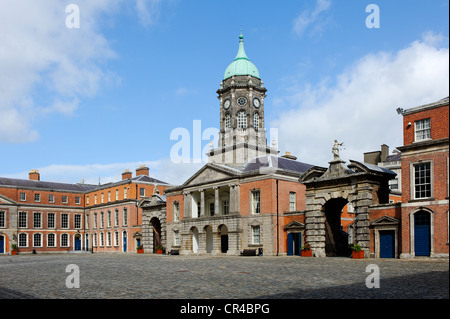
(425, 199)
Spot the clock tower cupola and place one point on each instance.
(242, 134)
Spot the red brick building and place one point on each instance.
(43, 216)
(425, 180)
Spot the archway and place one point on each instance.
(156, 232)
(194, 232)
(209, 239)
(223, 234)
(124, 241)
(77, 242)
(336, 240)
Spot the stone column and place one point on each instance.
(202, 203)
(216, 201)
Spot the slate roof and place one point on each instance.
(4, 181)
(276, 162)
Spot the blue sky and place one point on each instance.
(90, 102)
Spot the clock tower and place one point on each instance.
(242, 134)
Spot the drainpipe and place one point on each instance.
(277, 221)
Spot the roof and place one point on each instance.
(441, 102)
(394, 157)
(79, 188)
(241, 64)
(271, 161)
(46, 185)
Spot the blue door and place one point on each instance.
(124, 242)
(422, 233)
(290, 244)
(87, 242)
(387, 244)
(77, 243)
(2, 244)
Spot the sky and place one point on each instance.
(91, 88)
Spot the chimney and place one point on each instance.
(127, 174)
(34, 175)
(142, 170)
(288, 155)
(384, 152)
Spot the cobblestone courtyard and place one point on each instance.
(107, 276)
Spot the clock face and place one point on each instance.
(226, 104)
(242, 101)
(256, 102)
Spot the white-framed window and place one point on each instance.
(422, 129)
(65, 199)
(109, 196)
(422, 180)
(256, 121)
(37, 240)
(242, 120)
(108, 239)
(227, 121)
(95, 221)
(225, 207)
(65, 221)
(23, 240)
(37, 220)
(256, 234)
(94, 240)
(87, 221)
(77, 200)
(51, 220)
(22, 220)
(117, 194)
(176, 211)
(2, 219)
(102, 220)
(108, 221)
(23, 197)
(292, 206)
(125, 217)
(103, 197)
(37, 197)
(116, 238)
(125, 193)
(64, 240)
(51, 198)
(142, 192)
(77, 221)
(256, 202)
(51, 240)
(87, 200)
(176, 238)
(102, 239)
(116, 219)
(95, 199)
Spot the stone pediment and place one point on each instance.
(210, 173)
(385, 220)
(7, 201)
(294, 225)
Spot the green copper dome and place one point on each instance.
(241, 64)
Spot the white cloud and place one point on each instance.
(360, 108)
(47, 68)
(307, 18)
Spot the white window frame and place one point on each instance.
(37, 197)
(255, 199)
(39, 244)
(256, 235)
(2, 219)
(23, 197)
(20, 240)
(64, 220)
(292, 201)
(48, 240)
(51, 198)
(23, 220)
(37, 220)
(77, 223)
(242, 120)
(65, 235)
(176, 211)
(413, 178)
(125, 217)
(176, 237)
(422, 130)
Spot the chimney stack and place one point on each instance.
(34, 175)
(142, 170)
(126, 175)
(384, 152)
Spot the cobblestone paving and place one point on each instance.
(110, 276)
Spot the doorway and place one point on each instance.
(387, 243)
(336, 240)
(294, 242)
(422, 240)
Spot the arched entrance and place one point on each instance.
(336, 240)
(156, 229)
(194, 233)
(422, 238)
(209, 239)
(223, 234)
(124, 241)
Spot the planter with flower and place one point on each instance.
(140, 249)
(306, 251)
(159, 249)
(357, 252)
(14, 249)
